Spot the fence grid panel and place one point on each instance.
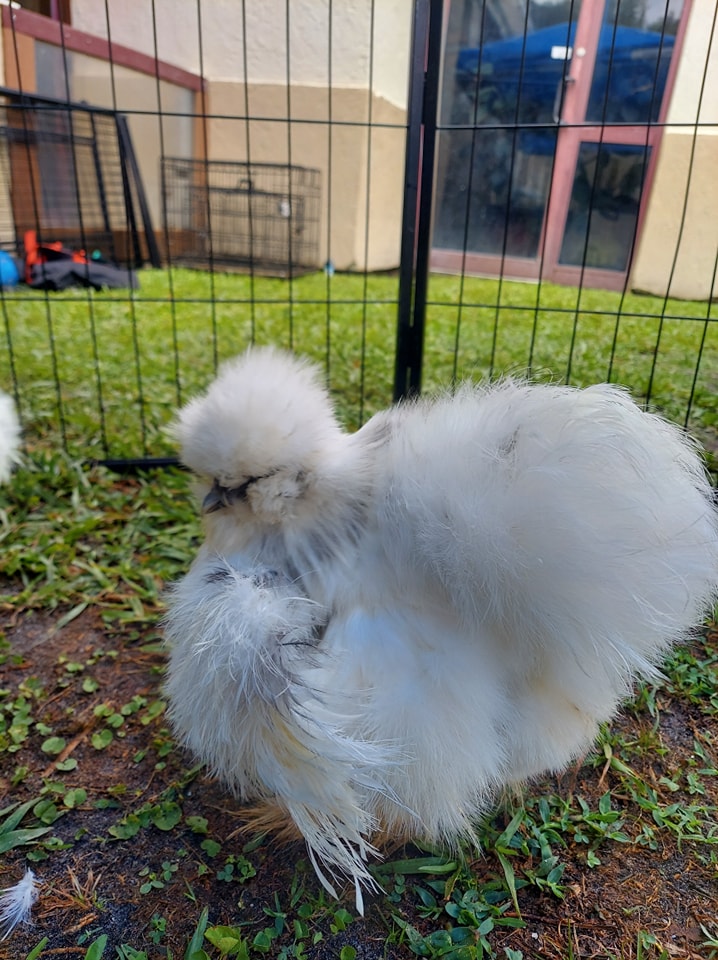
(408, 193)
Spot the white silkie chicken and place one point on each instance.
(384, 629)
(9, 437)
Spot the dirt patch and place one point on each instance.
(144, 841)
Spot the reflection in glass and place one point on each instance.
(494, 179)
(505, 68)
(634, 52)
(495, 193)
(603, 212)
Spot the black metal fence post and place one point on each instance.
(131, 174)
(418, 194)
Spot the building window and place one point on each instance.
(55, 9)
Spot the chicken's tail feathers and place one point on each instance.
(578, 519)
(575, 533)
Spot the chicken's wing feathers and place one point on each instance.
(244, 682)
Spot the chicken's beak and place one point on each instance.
(220, 497)
(216, 499)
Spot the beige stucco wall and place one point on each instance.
(271, 48)
(363, 61)
(697, 76)
(351, 156)
(158, 115)
(685, 255)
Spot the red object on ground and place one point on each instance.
(43, 252)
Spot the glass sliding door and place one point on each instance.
(602, 217)
(547, 129)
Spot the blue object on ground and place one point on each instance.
(9, 275)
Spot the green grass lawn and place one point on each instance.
(103, 373)
(138, 851)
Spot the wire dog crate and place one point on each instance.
(264, 216)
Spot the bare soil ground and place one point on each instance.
(143, 841)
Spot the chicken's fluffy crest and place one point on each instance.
(282, 410)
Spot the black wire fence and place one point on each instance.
(409, 193)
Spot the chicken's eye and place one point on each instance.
(221, 496)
